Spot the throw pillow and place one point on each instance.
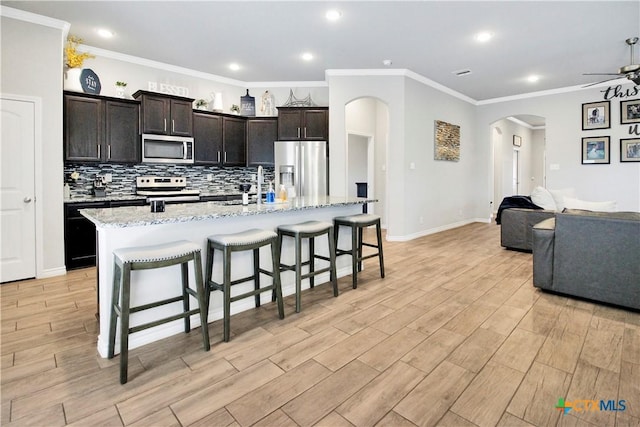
(543, 198)
(571, 203)
(559, 195)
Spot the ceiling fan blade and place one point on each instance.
(602, 74)
(603, 81)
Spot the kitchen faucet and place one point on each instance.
(260, 182)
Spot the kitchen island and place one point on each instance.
(138, 226)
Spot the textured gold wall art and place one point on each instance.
(447, 145)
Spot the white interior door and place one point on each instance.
(17, 190)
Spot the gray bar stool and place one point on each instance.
(244, 241)
(357, 223)
(127, 260)
(309, 230)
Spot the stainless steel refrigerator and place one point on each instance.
(302, 167)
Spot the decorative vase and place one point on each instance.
(120, 91)
(72, 79)
(217, 102)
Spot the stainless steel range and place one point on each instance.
(171, 189)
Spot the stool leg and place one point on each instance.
(226, 289)
(277, 289)
(207, 282)
(380, 256)
(124, 322)
(359, 248)
(185, 296)
(332, 262)
(256, 274)
(312, 260)
(115, 300)
(354, 257)
(279, 248)
(204, 315)
(298, 272)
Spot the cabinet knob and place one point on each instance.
(27, 199)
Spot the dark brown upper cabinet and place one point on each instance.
(261, 134)
(207, 138)
(165, 114)
(234, 137)
(303, 123)
(100, 129)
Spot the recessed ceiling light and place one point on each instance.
(533, 78)
(484, 36)
(307, 56)
(333, 15)
(103, 32)
(234, 66)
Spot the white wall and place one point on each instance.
(563, 132)
(538, 137)
(32, 66)
(503, 172)
(357, 162)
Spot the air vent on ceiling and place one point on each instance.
(461, 73)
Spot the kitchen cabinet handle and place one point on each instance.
(173, 126)
(98, 150)
(298, 133)
(165, 124)
(225, 157)
(305, 132)
(109, 152)
(218, 157)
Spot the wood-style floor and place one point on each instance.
(455, 335)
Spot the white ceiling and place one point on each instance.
(557, 40)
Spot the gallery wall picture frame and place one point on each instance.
(595, 150)
(630, 150)
(517, 141)
(630, 111)
(596, 115)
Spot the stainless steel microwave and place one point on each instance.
(167, 149)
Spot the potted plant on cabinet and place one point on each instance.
(74, 60)
(235, 109)
(201, 104)
(120, 87)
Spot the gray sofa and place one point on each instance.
(594, 255)
(516, 226)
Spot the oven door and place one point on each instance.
(166, 149)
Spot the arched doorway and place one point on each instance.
(367, 130)
(518, 161)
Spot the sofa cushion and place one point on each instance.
(571, 203)
(559, 195)
(543, 198)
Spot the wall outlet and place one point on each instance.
(108, 177)
(253, 177)
(412, 165)
(209, 177)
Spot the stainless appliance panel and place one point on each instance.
(308, 160)
(167, 149)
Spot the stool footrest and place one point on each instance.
(162, 321)
(252, 293)
(155, 304)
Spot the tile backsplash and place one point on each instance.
(225, 179)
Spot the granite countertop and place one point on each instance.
(136, 216)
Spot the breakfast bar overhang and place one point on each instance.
(133, 226)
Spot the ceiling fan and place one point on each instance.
(631, 71)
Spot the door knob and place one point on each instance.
(27, 199)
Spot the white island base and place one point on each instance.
(136, 226)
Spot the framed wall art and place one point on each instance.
(630, 111)
(596, 115)
(447, 146)
(517, 141)
(630, 150)
(595, 150)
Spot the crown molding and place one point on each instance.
(557, 91)
(400, 72)
(33, 18)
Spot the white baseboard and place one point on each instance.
(434, 230)
(52, 272)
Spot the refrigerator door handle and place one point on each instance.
(300, 160)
